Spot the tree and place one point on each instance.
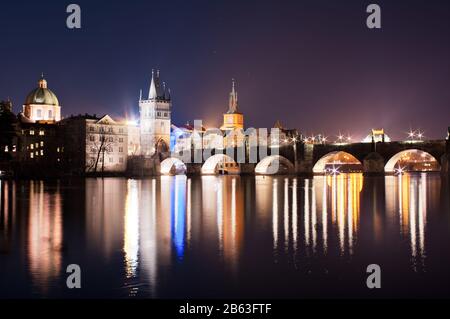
(101, 147)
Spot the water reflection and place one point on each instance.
(131, 233)
(45, 235)
(150, 237)
(407, 197)
(325, 200)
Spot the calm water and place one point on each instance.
(226, 236)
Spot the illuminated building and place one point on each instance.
(97, 145)
(42, 105)
(155, 115)
(233, 119)
(377, 136)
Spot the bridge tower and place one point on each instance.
(155, 118)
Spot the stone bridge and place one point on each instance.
(306, 159)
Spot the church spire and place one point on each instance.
(152, 94)
(233, 104)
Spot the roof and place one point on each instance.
(42, 95)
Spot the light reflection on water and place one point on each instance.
(164, 236)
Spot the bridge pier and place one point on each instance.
(373, 164)
(193, 169)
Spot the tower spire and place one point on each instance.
(233, 104)
(152, 94)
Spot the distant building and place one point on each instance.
(233, 119)
(377, 136)
(155, 118)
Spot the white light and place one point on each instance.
(132, 123)
(399, 171)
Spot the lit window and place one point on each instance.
(41, 132)
(57, 149)
(14, 148)
(6, 149)
(37, 145)
(42, 143)
(32, 146)
(31, 132)
(31, 155)
(37, 153)
(42, 152)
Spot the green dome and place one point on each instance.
(42, 95)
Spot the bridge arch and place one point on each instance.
(412, 160)
(338, 158)
(173, 166)
(274, 164)
(220, 164)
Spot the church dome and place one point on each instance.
(42, 95)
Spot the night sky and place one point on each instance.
(312, 64)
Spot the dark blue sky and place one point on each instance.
(312, 64)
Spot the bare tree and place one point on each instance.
(101, 147)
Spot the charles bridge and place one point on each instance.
(375, 158)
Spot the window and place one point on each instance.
(42, 143)
(121, 160)
(41, 132)
(57, 149)
(165, 114)
(111, 130)
(42, 152)
(37, 145)
(50, 114)
(31, 132)
(93, 150)
(111, 139)
(111, 160)
(120, 130)
(120, 139)
(38, 113)
(32, 146)
(92, 138)
(121, 149)
(91, 128)
(31, 155)
(6, 149)
(159, 113)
